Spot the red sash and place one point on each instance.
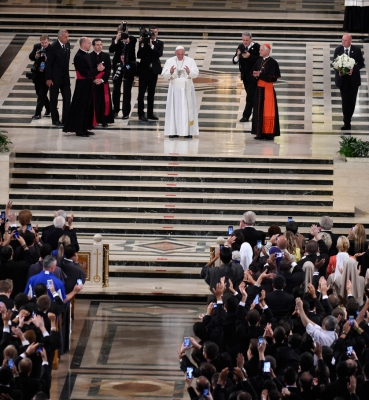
(269, 107)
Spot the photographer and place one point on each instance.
(150, 50)
(39, 55)
(124, 68)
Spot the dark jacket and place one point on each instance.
(251, 236)
(231, 271)
(357, 55)
(246, 65)
(129, 55)
(149, 56)
(57, 63)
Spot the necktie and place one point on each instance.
(346, 52)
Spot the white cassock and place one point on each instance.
(181, 111)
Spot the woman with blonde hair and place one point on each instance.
(358, 244)
(62, 243)
(335, 264)
(292, 246)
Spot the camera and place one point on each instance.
(146, 35)
(119, 71)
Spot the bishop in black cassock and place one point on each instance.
(80, 118)
(103, 109)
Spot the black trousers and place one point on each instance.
(65, 91)
(127, 94)
(249, 82)
(41, 91)
(147, 81)
(348, 96)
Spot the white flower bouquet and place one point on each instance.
(343, 64)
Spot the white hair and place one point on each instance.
(59, 222)
(180, 48)
(249, 217)
(326, 223)
(61, 213)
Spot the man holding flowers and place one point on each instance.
(348, 61)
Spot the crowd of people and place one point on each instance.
(287, 318)
(39, 276)
(91, 104)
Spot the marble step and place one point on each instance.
(83, 219)
(218, 198)
(46, 208)
(188, 176)
(159, 287)
(181, 187)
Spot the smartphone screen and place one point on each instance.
(49, 282)
(186, 342)
(206, 392)
(3, 215)
(256, 300)
(221, 246)
(349, 350)
(351, 319)
(230, 230)
(16, 235)
(261, 340)
(10, 363)
(79, 281)
(189, 372)
(39, 349)
(289, 219)
(266, 366)
(259, 244)
(29, 227)
(215, 306)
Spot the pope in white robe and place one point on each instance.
(181, 110)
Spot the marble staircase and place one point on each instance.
(161, 214)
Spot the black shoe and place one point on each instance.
(104, 125)
(58, 124)
(47, 114)
(345, 127)
(258, 138)
(143, 118)
(188, 137)
(36, 116)
(244, 119)
(153, 116)
(269, 138)
(125, 117)
(82, 134)
(173, 136)
(115, 115)
(89, 133)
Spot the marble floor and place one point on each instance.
(125, 350)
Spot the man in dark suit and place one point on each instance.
(230, 270)
(81, 117)
(349, 83)
(150, 50)
(281, 304)
(102, 99)
(246, 56)
(52, 234)
(250, 234)
(39, 55)
(363, 389)
(123, 46)
(69, 265)
(292, 280)
(57, 76)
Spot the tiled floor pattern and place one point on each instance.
(125, 350)
(307, 98)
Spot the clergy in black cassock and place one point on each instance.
(80, 118)
(104, 114)
(265, 121)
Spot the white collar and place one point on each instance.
(61, 44)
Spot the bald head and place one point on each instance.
(85, 43)
(346, 40)
(202, 383)
(25, 366)
(282, 242)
